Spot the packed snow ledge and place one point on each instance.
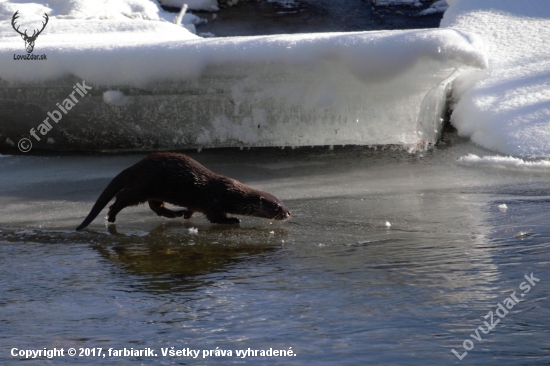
(154, 85)
(506, 108)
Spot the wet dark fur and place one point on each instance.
(179, 180)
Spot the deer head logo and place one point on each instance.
(29, 40)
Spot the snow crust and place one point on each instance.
(506, 107)
(138, 52)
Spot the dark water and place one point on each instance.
(334, 283)
(312, 16)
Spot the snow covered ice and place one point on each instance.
(183, 91)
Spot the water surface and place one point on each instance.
(335, 283)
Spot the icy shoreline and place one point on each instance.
(367, 88)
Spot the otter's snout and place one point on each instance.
(283, 215)
(277, 212)
(270, 207)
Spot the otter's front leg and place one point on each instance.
(160, 209)
(222, 219)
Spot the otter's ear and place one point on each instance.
(262, 198)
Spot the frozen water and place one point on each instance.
(332, 275)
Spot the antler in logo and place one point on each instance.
(29, 40)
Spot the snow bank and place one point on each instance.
(153, 90)
(60, 11)
(81, 9)
(507, 107)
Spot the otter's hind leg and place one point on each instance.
(161, 210)
(124, 198)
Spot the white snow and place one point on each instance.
(82, 9)
(507, 107)
(138, 52)
(505, 162)
(113, 15)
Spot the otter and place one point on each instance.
(179, 180)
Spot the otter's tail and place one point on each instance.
(116, 185)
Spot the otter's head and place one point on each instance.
(263, 204)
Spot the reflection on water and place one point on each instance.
(334, 283)
(169, 258)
